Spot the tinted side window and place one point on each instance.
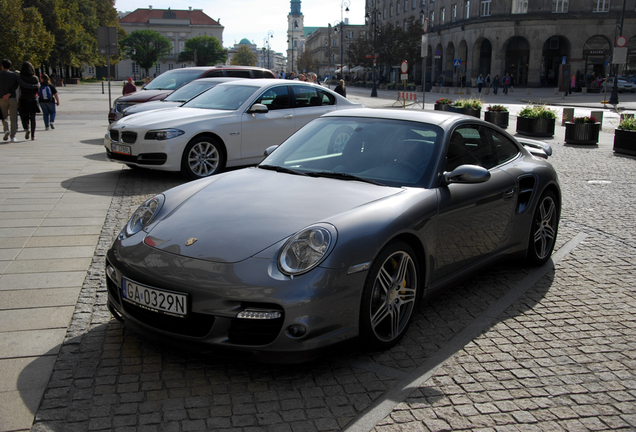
(275, 98)
(503, 149)
(465, 142)
(214, 74)
(327, 98)
(238, 73)
(306, 96)
(263, 74)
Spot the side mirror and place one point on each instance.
(258, 109)
(269, 150)
(467, 174)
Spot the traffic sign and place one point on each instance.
(621, 41)
(404, 67)
(457, 62)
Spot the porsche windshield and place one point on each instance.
(223, 97)
(389, 152)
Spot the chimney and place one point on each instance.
(150, 7)
(190, 7)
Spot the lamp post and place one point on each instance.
(344, 7)
(270, 35)
(372, 14)
(329, 55)
(614, 97)
(424, 19)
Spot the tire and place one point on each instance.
(544, 228)
(390, 297)
(339, 139)
(202, 157)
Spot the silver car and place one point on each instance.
(336, 236)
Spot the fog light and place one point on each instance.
(296, 330)
(259, 314)
(110, 271)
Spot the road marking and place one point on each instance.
(382, 407)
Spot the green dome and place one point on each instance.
(245, 41)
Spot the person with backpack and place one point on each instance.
(48, 100)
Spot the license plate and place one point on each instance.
(167, 302)
(118, 148)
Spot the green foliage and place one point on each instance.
(627, 123)
(307, 62)
(586, 119)
(145, 47)
(537, 111)
(244, 57)
(444, 101)
(24, 36)
(208, 51)
(468, 103)
(498, 108)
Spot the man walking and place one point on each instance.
(9, 82)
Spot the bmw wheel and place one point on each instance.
(202, 157)
(543, 232)
(390, 296)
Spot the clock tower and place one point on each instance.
(295, 35)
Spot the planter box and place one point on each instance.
(499, 118)
(467, 111)
(625, 142)
(442, 107)
(538, 127)
(582, 133)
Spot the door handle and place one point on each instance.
(509, 194)
(288, 116)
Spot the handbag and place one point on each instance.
(38, 109)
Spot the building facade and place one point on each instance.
(332, 47)
(529, 39)
(177, 26)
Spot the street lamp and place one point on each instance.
(614, 97)
(373, 14)
(270, 34)
(344, 7)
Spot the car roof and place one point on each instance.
(216, 79)
(265, 82)
(440, 118)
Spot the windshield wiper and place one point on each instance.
(343, 176)
(281, 169)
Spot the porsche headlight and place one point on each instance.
(306, 249)
(163, 134)
(144, 215)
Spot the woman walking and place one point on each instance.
(48, 100)
(28, 103)
(340, 89)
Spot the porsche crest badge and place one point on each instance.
(191, 241)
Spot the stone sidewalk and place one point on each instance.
(513, 348)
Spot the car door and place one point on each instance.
(474, 219)
(311, 102)
(262, 130)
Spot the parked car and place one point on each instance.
(229, 125)
(160, 87)
(623, 85)
(179, 96)
(320, 245)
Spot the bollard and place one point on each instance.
(598, 115)
(102, 87)
(568, 115)
(487, 91)
(584, 90)
(529, 91)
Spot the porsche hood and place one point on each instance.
(246, 211)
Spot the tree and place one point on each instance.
(145, 47)
(306, 62)
(244, 57)
(208, 51)
(25, 38)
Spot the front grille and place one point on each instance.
(129, 137)
(114, 135)
(142, 159)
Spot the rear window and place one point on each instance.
(263, 74)
(238, 73)
(173, 79)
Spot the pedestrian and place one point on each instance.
(146, 82)
(48, 100)
(487, 81)
(129, 87)
(9, 83)
(314, 78)
(506, 83)
(340, 88)
(480, 82)
(28, 100)
(495, 84)
(302, 77)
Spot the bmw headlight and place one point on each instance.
(144, 215)
(163, 134)
(306, 249)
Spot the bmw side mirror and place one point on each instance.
(269, 150)
(467, 174)
(258, 109)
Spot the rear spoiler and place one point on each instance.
(536, 148)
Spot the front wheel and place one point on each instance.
(543, 232)
(202, 157)
(390, 296)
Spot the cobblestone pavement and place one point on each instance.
(561, 356)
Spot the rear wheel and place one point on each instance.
(543, 233)
(390, 296)
(202, 157)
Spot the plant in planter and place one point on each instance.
(625, 136)
(470, 107)
(497, 114)
(536, 120)
(443, 104)
(582, 130)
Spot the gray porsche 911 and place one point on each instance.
(335, 236)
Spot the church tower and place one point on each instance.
(295, 36)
